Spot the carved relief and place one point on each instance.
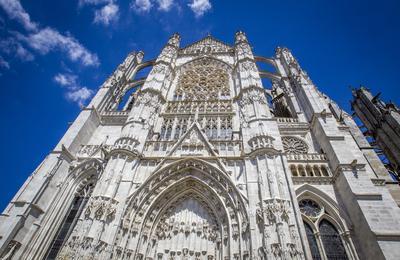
(101, 208)
(189, 202)
(11, 249)
(274, 211)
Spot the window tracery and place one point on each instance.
(323, 237)
(294, 145)
(203, 80)
(310, 208)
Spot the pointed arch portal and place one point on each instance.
(189, 209)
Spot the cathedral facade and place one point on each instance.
(202, 159)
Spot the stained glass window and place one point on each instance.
(69, 222)
(312, 242)
(333, 245)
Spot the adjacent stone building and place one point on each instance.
(201, 159)
(382, 122)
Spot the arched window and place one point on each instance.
(324, 171)
(293, 170)
(316, 170)
(309, 171)
(333, 245)
(312, 242)
(323, 237)
(302, 172)
(69, 222)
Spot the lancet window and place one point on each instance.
(69, 222)
(323, 237)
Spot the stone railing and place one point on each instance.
(309, 168)
(115, 113)
(222, 147)
(114, 117)
(91, 150)
(306, 157)
(287, 120)
(126, 143)
(261, 142)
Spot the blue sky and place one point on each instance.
(55, 54)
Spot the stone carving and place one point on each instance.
(248, 66)
(101, 208)
(274, 211)
(126, 143)
(294, 145)
(192, 184)
(251, 95)
(12, 247)
(261, 141)
(87, 151)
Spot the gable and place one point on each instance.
(193, 143)
(206, 45)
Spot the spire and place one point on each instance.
(174, 40)
(240, 37)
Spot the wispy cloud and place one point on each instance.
(141, 6)
(42, 40)
(75, 92)
(48, 39)
(15, 11)
(200, 7)
(13, 47)
(107, 14)
(4, 63)
(93, 2)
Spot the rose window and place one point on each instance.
(310, 208)
(203, 80)
(294, 145)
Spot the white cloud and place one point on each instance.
(107, 14)
(48, 39)
(165, 5)
(43, 40)
(79, 95)
(75, 92)
(141, 6)
(66, 79)
(199, 7)
(12, 46)
(15, 11)
(4, 63)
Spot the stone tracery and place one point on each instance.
(203, 79)
(294, 145)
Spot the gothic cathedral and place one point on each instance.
(207, 157)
